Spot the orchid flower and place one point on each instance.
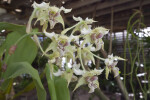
(90, 78)
(67, 74)
(80, 25)
(61, 45)
(111, 63)
(45, 13)
(95, 37)
(87, 55)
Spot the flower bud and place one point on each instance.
(12, 49)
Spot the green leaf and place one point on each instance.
(12, 27)
(29, 87)
(62, 90)
(57, 86)
(19, 68)
(51, 85)
(26, 49)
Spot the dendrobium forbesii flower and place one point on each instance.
(111, 63)
(90, 78)
(67, 74)
(86, 55)
(95, 37)
(60, 45)
(45, 13)
(80, 25)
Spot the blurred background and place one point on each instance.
(129, 24)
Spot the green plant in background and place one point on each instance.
(134, 28)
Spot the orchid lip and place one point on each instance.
(99, 36)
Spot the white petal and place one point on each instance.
(98, 46)
(103, 30)
(92, 49)
(116, 71)
(78, 71)
(50, 35)
(42, 5)
(92, 88)
(52, 23)
(77, 18)
(89, 21)
(106, 61)
(85, 31)
(65, 10)
(75, 65)
(53, 60)
(97, 72)
(58, 73)
(72, 37)
(110, 56)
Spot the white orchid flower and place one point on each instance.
(111, 63)
(90, 78)
(95, 37)
(45, 13)
(92, 83)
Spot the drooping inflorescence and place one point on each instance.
(77, 50)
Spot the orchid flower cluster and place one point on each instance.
(77, 50)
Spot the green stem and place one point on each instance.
(132, 67)
(144, 61)
(81, 59)
(97, 56)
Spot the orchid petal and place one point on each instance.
(116, 71)
(77, 18)
(50, 35)
(81, 81)
(58, 73)
(65, 10)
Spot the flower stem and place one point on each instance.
(97, 56)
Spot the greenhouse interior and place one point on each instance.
(74, 49)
